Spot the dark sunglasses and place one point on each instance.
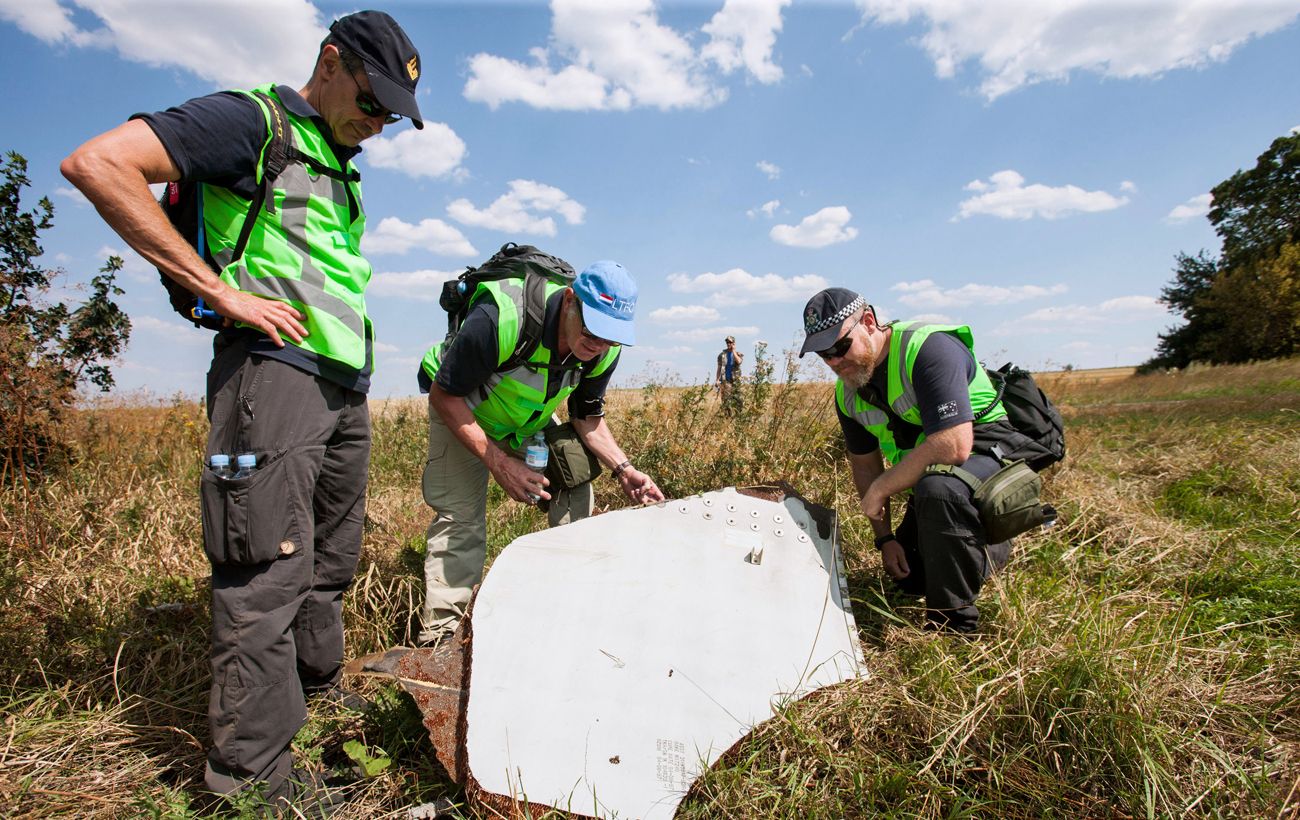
(841, 346)
(369, 106)
(592, 337)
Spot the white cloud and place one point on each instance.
(520, 209)
(1021, 43)
(77, 197)
(418, 285)
(771, 170)
(1128, 187)
(1006, 196)
(434, 152)
(701, 334)
(826, 227)
(931, 318)
(233, 44)
(614, 56)
(685, 313)
(384, 347)
(926, 293)
(392, 235)
(744, 33)
(172, 329)
(1084, 318)
(1295, 129)
(1193, 208)
(768, 209)
(135, 266)
(739, 287)
(1129, 306)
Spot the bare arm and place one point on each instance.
(519, 482)
(114, 170)
(595, 433)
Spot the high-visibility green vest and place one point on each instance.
(307, 250)
(904, 344)
(513, 403)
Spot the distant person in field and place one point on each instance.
(481, 417)
(728, 373)
(908, 392)
(290, 370)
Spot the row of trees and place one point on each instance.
(47, 349)
(1243, 304)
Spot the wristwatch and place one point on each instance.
(618, 471)
(882, 540)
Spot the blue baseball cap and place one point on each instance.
(608, 295)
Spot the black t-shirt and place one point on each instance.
(217, 140)
(942, 373)
(472, 357)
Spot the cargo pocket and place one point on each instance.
(257, 519)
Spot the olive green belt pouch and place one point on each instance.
(571, 464)
(1008, 501)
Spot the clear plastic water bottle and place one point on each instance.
(536, 456)
(220, 464)
(246, 464)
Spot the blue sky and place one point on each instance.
(1027, 168)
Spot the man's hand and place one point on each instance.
(875, 503)
(639, 487)
(515, 477)
(267, 315)
(891, 555)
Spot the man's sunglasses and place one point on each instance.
(592, 337)
(370, 106)
(841, 346)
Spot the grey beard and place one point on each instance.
(858, 377)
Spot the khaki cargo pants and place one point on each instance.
(455, 485)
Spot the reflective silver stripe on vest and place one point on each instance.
(868, 416)
(533, 379)
(309, 290)
(906, 400)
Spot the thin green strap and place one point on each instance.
(956, 472)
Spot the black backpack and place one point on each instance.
(182, 202)
(536, 268)
(1033, 415)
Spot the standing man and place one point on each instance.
(729, 362)
(481, 416)
(914, 394)
(290, 370)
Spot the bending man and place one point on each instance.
(910, 393)
(480, 418)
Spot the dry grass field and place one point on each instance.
(1140, 659)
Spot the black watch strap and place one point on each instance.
(882, 540)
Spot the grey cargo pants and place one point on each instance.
(284, 546)
(945, 547)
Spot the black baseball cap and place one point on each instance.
(824, 317)
(391, 61)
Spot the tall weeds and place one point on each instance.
(1140, 659)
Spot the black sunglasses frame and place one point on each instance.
(842, 344)
(371, 107)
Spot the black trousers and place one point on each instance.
(284, 546)
(944, 543)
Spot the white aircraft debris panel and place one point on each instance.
(616, 658)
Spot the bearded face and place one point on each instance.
(859, 362)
